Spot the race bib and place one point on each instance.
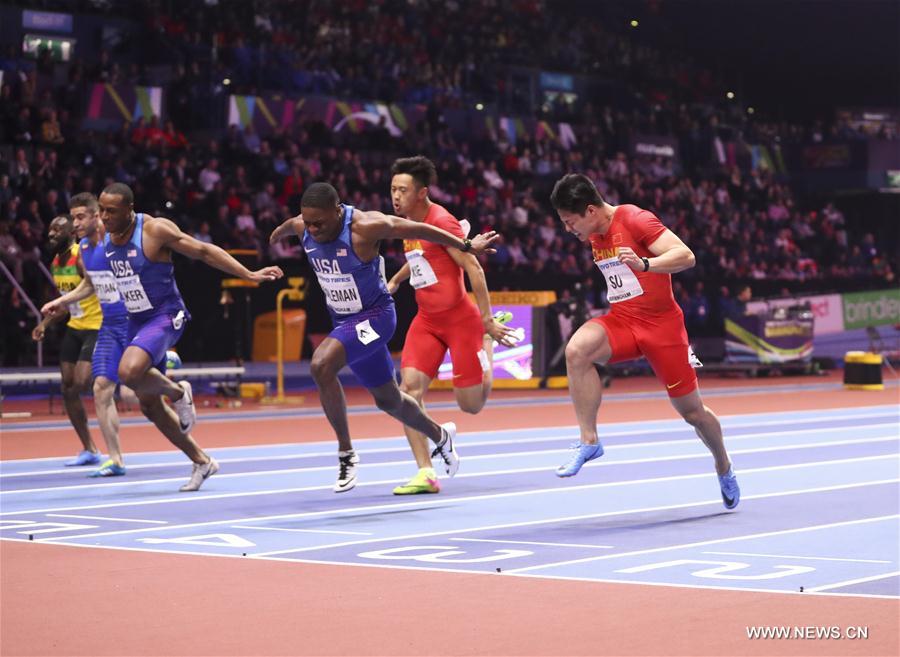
(365, 332)
(75, 310)
(621, 283)
(133, 294)
(105, 286)
(341, 293)
(420, 272)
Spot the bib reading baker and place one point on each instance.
(147, 288)
(621, 283)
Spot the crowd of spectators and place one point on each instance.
(743, 223)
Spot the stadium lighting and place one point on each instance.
(730, 95)
(634, 22)
(479, 106)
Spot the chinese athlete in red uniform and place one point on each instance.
(447, 317)
(636, 255)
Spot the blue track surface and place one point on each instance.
(819, 509)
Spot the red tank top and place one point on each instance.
(435, 275)
(635, 228)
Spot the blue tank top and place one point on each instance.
(97, 267)
(147, 288)
(350, 285)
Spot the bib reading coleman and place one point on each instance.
(349, 284)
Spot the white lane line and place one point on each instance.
(571, 545)
(70, 515)
(797, 556)
(424, 503)
(484, 443)
(546, 521)
(499, 455)
(683, 546)
(731, 421)
(849, 582)
(303, 531)
(446, 571)
(547, 437)
(524, 402)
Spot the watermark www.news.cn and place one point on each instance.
(808, 632)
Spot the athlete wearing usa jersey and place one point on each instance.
(637, 256)
(113, 336)
(342, 244)
(447, 319)
(139, 250)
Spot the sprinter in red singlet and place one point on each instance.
(637, 255)
(447, 317)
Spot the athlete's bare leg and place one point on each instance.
(414, 383)
(159, 413)
(707, 426)
(471, 399)
(108, 417)
(138, 373)
(328, 359)
(587, 346)
(400, 406)
(75, 380)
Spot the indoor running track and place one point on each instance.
(819, 510)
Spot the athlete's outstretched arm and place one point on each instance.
(472, 267)
(83, 290)
(292, 226)
(671, 255)
(401, 275)
(380, 226)
(171, 236)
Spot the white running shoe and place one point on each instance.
(187, 413)
(347, 462)
(446, 449)
(200, 473)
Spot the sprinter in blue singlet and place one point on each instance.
(113, 335)
(342, 244)
(139, 250)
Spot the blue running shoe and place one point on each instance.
(108, 468)
(731, 492)
(86, 457)
(582, 454)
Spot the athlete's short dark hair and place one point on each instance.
(419, 167)
(83, 200)
(120, 189)
(320, 195)
(574, 192)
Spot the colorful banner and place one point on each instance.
(826, 308)
(267, 113)
(509, 362)
(863, 309)
(757, 339)
(47, 21)
(124, 102)
(654, 145)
